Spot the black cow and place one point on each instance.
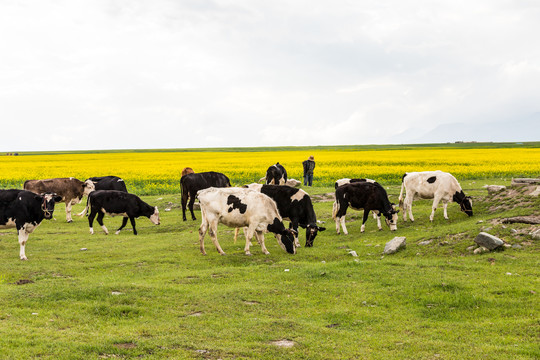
(276, 175)
(350, 181)
(367, 196)
(293, 205)
(25, 210)
(191, 183)
(118, 203)
(109, 183)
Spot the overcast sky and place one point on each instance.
(129, 74)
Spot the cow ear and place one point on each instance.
(57, 198)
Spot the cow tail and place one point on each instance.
(335, 209)
(81, 214)
(401, 192)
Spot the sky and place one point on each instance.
(129, 74)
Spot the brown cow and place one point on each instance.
(70, 189)
(187, 170)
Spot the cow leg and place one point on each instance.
(91, 218)
(212, 230)
(342, 221)
(184, 203)
(23, 238)
(124, 223)
(445, 205)
(132, 220)
(248, 232)
(436, 201)
(260, 240)
(377, 216)
(294, 225)
(202, 232)
(100, 222)
(191, 202)
(68, 211)
(407, 206)
(364, 219)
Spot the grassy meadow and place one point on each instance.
(82, 296)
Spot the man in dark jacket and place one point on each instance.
(309, 166)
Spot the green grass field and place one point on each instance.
(155, 296)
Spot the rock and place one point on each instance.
(353, 253)
(480, 221)
(514, 231)
(84, 249)
(116, 293)
(494, 189)
(535, 192)
(293, 182)
(536, 234)
(480, 250)
(517, 246)
(488, 241)
(471, 248)
(395, 245)
(425, 242)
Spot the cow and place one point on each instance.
(108, 183)
(276, 175)
(367, 196)
(191, 183)
(436, 185)
(293, 205)
(352, 181)
(70, 189)
(25, 210)
(187, 170)
(240, 207)
(118, 203)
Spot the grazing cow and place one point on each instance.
(293, 205)
(436, 185)
(352, 181)
(25, 210)
(70, 189)
(240, 207)
(118, 203)
(276, 175)
(108, 183)
(367, 196)
(187, 170)
(191, 183)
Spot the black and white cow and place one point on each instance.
(276, 175)
(108, 183)
(293, 205)
(352, 181)
(118, 203)
(191, 183)
(367, 196)
(436, 185)
(240, 207)
(25, 210)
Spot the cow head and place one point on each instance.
(311, 232)
(154, 218)
(391, 217)
(47, 203)
(286, 240)
(88, 187)
(465, 202)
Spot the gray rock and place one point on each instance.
(425, 242)
(493, 189)
(480, 250)
(471, 248)
(536, 234)
(395, 245)
(535, 192)
(517, 246)
(488, 241)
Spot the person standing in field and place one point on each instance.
(309, 166)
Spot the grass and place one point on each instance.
(155, 296)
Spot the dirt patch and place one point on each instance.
(511, 198)
(23, 282)
(283, 343)
(323, 197)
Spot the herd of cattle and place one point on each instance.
(256, 208)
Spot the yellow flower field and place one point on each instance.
(159, 172)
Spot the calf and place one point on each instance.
(436, 185)
(25, 210)
(108, 183)
(293, 205)
(367, 196)
(276, 175)
(191, 183)
(71, 190)
(352, 181)
(118, 203)
(239, 207)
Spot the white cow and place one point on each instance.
(436, 185)
(240, 207)
(344, 181)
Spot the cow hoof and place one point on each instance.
(24, 258)
(70, 221)
(222, 254)
(117, 232)
(249, 254)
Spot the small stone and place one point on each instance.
(480, 221)
(84, 249)
(34, 313)
(286, 270)
(471, 248)
(488, 241)
(517, 246)
(394, 245)
(507, 245)
(167, 209)
(508, 273)
(494, 189)
(536, 234)
(480, 250)
(353, 253)
(514, 231)
(116, 293)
